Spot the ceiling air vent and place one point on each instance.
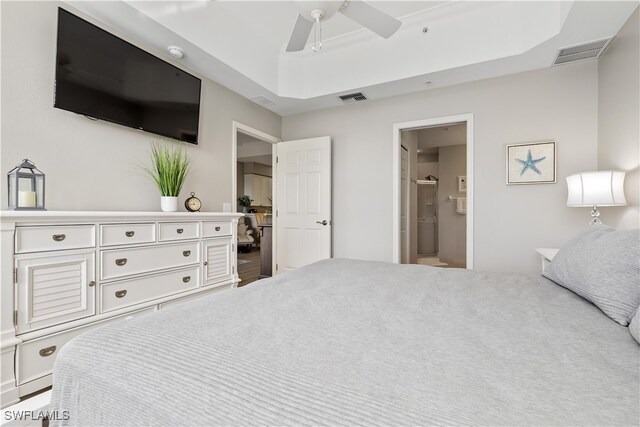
(353, 97)
(261, 100)
(581, 52)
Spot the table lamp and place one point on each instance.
(593, 189)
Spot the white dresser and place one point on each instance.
(63, 273)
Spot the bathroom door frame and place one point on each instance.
(425, 123)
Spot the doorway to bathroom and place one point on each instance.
(434, 194)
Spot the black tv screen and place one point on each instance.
(102, 76)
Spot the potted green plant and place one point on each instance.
(245, 202)
(169, 171)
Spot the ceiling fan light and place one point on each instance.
(317, 14)
(328, 8)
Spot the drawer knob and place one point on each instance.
(179, 230)
(59, 237)
(129, 233)
(186, 253)
(205, 263)
(121, 261)
(217, 228)
(92, 283)
(47, 351)
(120, 294)
(186, 279)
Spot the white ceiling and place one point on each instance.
(251, 149)
(240, 44)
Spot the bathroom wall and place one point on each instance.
(452, 226)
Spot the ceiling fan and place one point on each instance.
(313, 13)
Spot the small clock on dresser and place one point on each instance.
(193, 204)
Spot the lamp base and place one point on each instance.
(595, 213)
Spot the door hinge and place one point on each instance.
(15, 317)
(277, 159)
(276, 267)
(15, 275)
(276, 213)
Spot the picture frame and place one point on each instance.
(531, 163)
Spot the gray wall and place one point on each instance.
(510, 221)
(618, 117)
(258, 169)
(452, 227)
(97, 165)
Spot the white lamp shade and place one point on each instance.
(599, 188)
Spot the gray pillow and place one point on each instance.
(634, 326)
(602, 265)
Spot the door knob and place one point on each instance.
(323, 222)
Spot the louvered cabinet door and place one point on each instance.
(54, 289)
(218, 265)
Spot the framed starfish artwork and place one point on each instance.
(531, 163)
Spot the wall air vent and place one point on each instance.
(261, 100)
(581, 52)
(353, 97)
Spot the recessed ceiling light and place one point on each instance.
(175, 52)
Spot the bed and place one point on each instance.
(346, 342)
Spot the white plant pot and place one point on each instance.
(169, 204)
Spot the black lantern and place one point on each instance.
(26, 187)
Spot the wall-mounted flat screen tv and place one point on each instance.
(102, 76)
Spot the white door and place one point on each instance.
(303, 205)
(404, 204)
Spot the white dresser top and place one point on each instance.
(58, 216)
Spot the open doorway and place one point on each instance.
(436, 195)
(433, 201)
(254, 196)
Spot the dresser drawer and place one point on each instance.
(124, 262)
(129, 292)
(34, 359)
(178, 231)
(125, 234)
(53, 238)
(214, 229)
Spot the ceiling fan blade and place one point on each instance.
(369, 17)
(299, 35)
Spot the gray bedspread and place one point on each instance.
(345, 342)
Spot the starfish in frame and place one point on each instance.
(530, 163)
